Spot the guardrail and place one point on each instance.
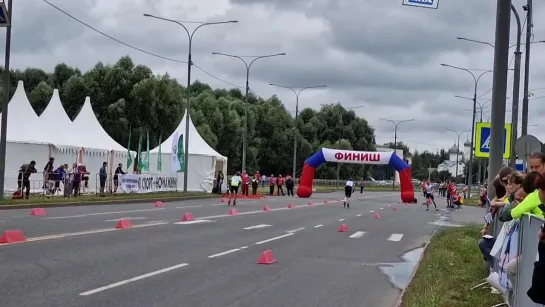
(527, 254)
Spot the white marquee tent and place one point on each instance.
(204, 161)
(53, 134)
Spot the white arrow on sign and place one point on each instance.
(257, 226)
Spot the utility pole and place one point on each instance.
(4, 126)
(516, 89)
(396, 124)
(529, 24)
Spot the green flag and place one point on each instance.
(181, 154)
(139, 152)
(129, 155)
(160, 156)
(145, 158)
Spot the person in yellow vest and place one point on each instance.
(234, 183)
(458, 201)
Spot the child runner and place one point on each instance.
(233, 188)
(348, 189)
(429, 196)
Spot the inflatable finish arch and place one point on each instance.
(356, 157)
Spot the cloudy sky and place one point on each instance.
(375, 53)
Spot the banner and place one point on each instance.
(145, 183)
(180, 153)
(174, 163)
(160, 155)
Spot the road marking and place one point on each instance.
(126, 281)
(150, 224)
(389, 205)
(341, 220)
(127, 218)
(193, 222)
(371, 211)
(257, 226)
(100, 213)
(156, 222)
(395, 237)
(381, 208)
(357, 235)
(243, 247)
(195, 206)
(224, 253)
(275, 238)
(318, 226)
(359, 215)
(46, 238)
(296, 230)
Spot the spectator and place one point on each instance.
(280, 185)
(119, 171)
(103, 175)
(272, 183)
(290, 183)
(23, 179)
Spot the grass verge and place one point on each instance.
(451, 265)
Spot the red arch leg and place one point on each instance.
(305, 182)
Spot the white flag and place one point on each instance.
(174, 162)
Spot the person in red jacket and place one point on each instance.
(280, 185)
(272, 183)
(245, 183)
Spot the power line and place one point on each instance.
(134, 47)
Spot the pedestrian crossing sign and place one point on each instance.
(482, 140)
(4, 16)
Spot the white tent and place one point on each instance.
(53, 134)
(204, 162)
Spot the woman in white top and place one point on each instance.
(234, 183)
(429, 196)
(348, 189)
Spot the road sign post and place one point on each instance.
(482, 140)
(430, 4)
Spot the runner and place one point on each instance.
(429, 196)
(348, 189)
(233, 188)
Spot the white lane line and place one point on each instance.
(193, 222)
(371, 211)
(127, 218)
(46, 238)
(150, 224)
(381, 208)
(243, 247)
(224, 253)
(359, 215)
(257, 226)
(195, 206)
(389, 205)
(395, 237)
(318, 226)
(100, 213)
(157, 222)
(126, 281)
(340, 220)
(296, 230)
(357, 235)
(275, 238)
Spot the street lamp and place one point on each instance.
(297, 92)
(189, 63)
(396, 123)
(480, 107)
(476, 79)
(4, 125)
(457, 148)
(248, 66)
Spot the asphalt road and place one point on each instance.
(75, 257)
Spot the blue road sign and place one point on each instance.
(482, 139)
(4, 17)
(432, 4)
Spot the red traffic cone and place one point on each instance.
(325, 201)
(187, 217)
(267, 257)
(37, 212)
(343, 228)
(223, 200)
(310, 203)
(376, 216)
(123, 224)
(233, 212)
(266, 208)
(12, 236)
(159, 204)
(394, 208)
(291, 206)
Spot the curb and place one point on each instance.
(402, 294)
(114, 202)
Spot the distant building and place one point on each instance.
(450, 164)
(399, 152)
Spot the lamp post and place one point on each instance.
(248, 66)
(297, 92)
(529, 25)
(457, 148)
(396, 124)
(476, 79)
(189, 63)
(340, 138)
(480, 106)
(4, 125)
